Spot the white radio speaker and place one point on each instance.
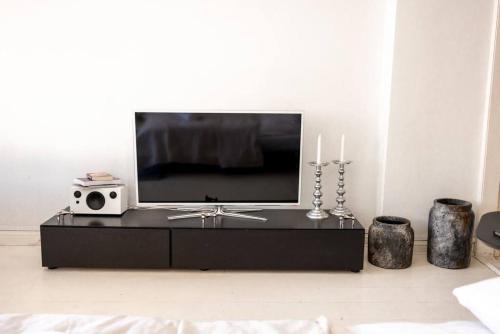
(102, 200)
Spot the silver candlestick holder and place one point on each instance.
(341, 209)
(317, 212)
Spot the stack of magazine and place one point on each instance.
(97, 179)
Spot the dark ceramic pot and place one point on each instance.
(449, 240)
(390, 242)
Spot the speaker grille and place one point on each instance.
(95, 200)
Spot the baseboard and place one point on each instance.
(32, 228)
(488, 256)
(19, 238)
(420, 246)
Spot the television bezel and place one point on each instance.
(206, 204)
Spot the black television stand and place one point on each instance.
(146, 239)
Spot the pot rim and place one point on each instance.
(453, 203)
(391, 221)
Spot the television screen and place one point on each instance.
(218, 158)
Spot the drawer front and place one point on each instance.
(268, 249)
(105, 247)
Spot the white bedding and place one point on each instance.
(89, 324)
(453, 327)
(483, 300)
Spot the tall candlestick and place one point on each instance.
(317, 212)
(340, 209)
(318, 150)
(342, 143)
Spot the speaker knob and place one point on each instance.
(112, 194)
(95, 200)
(77, 194)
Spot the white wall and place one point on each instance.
(73, 71)
(438, 104)
(491, 184)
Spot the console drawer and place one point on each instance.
(267, 249)
(105, 247)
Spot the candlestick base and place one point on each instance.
(317, 214)
(341, 212)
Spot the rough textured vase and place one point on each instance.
(390, 242)
(449, 241)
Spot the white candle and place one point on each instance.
(342, 143)
(318, 150)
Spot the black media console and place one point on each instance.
(146, 239)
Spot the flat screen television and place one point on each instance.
(218, 158)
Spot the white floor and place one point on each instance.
(421, 293)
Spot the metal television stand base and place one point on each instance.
(216, 211)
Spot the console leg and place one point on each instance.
(355, 270)
(205, 269)
(52, 268)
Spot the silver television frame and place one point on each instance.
(215, 204)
